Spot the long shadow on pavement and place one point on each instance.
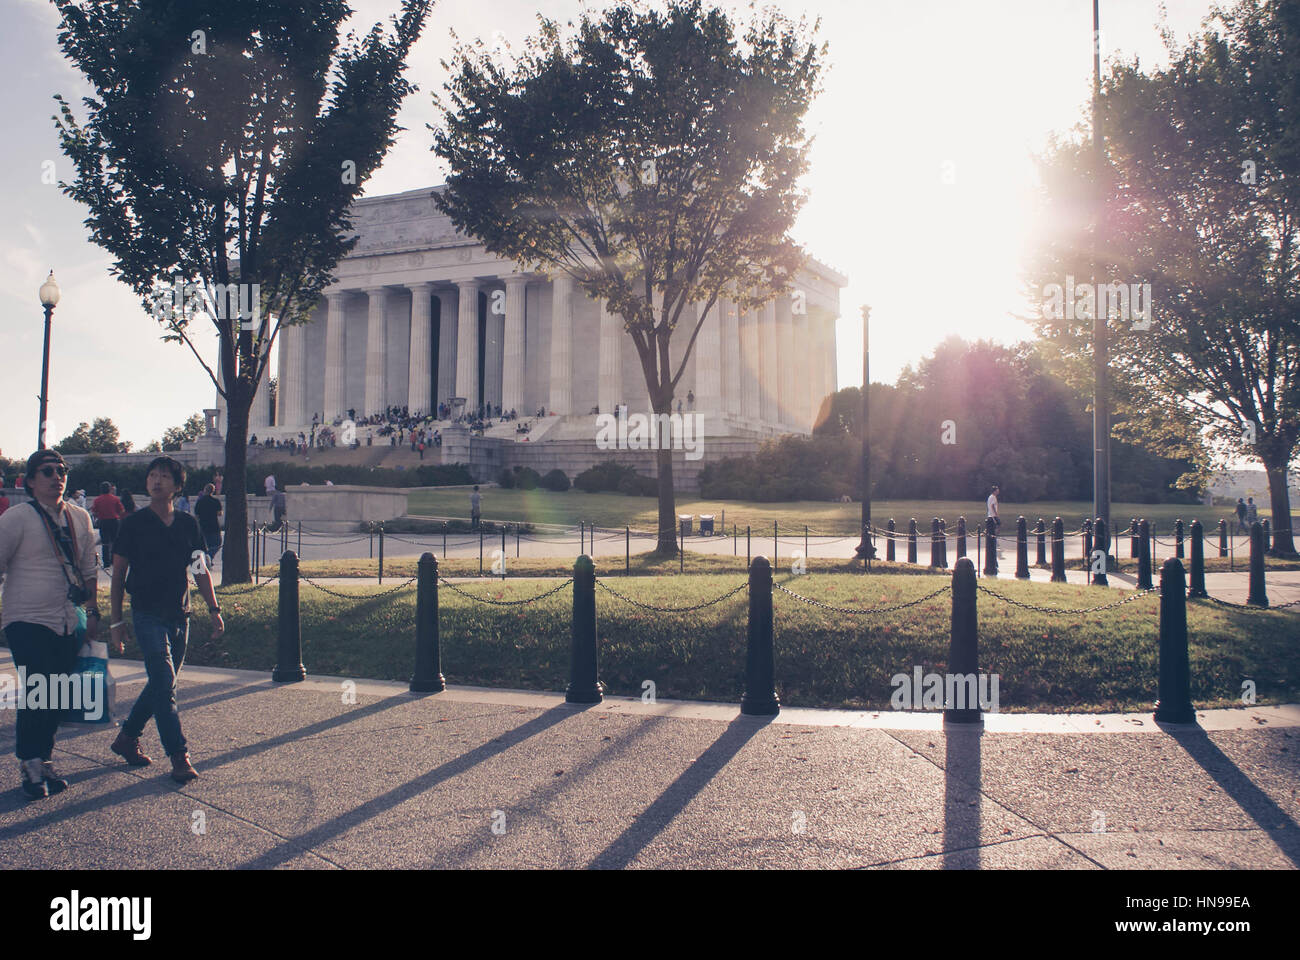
(679, 794)
(126, 793)
(962, 796)
(386, 801)
(1255, 802)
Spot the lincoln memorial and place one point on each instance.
(421, 314)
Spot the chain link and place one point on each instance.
(646, 606)
(504, 603)
(863, 610)
(1251, 606)
(228, 592)
(354, 598)
(1138, 595)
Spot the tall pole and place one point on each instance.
(45, 379)
(866, 550)
(1100, 390)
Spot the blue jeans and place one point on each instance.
(163, 644)
(40, 652)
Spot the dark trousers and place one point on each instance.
(39, 651)
(163, 644)
(107, 534)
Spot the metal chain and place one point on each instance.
(505, 603)
(1138, 595)
(228, 592)
(862, 610)
(646, 606)
(356, 599)
(1251, 606)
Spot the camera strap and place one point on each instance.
(62, 551)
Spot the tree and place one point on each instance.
(653, 158)
(187, 432)
(99, 437)
(225, 142)
(1199, 198)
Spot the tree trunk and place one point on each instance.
(1283, 541)
(234, 552)
(667, 545)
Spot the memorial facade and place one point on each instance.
(420, 314)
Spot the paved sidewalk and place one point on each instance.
(293, 776)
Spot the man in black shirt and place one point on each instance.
(153, 555)
(208, 512)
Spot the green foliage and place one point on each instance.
(610, 475)
(100, 437)
(555, 480)
(526, 478)
(187, 432)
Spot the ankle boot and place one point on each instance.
(128, 748)
(182, 771)
(33, 779)
(53, 782)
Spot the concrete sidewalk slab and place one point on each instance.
(294, 777)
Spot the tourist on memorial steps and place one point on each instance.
(154, 554)
(47, 559)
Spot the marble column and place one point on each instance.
(768, 379)
(750, 401)
(336, 357)
(512, 363)
(708, 364)
(282, 372)
(729, 324)
(831, 355)
(467, 344)
(419, 392)
(561, 392)
(295, 378)
(376, 352)
(784, 361)
(259, 414)
(801, 393)
(447, 324)
(610, 389)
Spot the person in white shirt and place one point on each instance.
(47, 560)
(270, 484)
(993, 508)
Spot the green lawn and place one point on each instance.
(1054, 662)
(642, 513)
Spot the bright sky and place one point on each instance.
(921, 184)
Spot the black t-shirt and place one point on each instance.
(207, 510)
(159, 556)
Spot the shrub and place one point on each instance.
(555, 480)
(507, 480)
(526, 478)
(635, 485)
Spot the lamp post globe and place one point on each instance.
(49, 295)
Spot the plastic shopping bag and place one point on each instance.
(93, 691)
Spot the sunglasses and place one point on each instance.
(48, 472)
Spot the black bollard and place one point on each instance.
(1197, 587)
(934, 542)
(911, 541)
(428, 676)
(746, 548)
(1101, 544)
(889, 547)
(627, 551)
(288, 655)
(584, 687)
(1175, 703)
(943, 543)
(1268, 536)
(1133, 538)
(1223, 538)
(1144, 556)
(1257, 598)
(381, 554)
(480, 551)
(1087, 549)
(1022, 550)
(503, 551)
(1058, 550)
(1178, 539)
(444, 538)
(961, 537)
(990, 549)
(1040, 529)
(963, 647)
(760, 699)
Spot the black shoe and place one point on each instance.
(53, 782)
(33, 779)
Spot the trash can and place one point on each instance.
(706, 524)
(686, 521)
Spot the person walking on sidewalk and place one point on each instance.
(47, 559)
(992, 506)
(156, 551)
(1241, 515)
(108, 511)
(208, 512)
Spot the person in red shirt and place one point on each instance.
(108, 510)
(4, 503)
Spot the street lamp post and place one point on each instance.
(49, 299)
(866, 549)
(1100, 351)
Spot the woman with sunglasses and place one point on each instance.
(47, 559)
